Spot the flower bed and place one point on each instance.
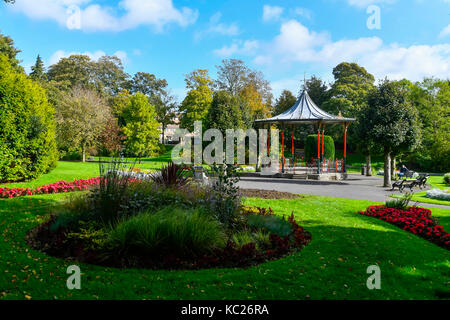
(65, 244)
(438, 194)
(57, 187)
(415, 220)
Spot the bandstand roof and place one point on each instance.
(305, 111)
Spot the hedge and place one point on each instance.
(311, 147)
(27, 127)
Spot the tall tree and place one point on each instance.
(105, 75)
(348, 93)
(391, 121)
(284, 102)
(141, 126)
(225, 112)
(317, 90)
(38, 70)
(165, 106)
(7, 48)
(147, 84)
(109, 74)
(431, 98)
(198, 100)
(74, 71)
(232, 76)
(256, 107)
(81, 117)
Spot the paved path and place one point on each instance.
(355, 187)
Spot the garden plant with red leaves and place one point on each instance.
(415, 220)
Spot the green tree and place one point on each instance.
(165, 106)
(284, 102)
(198, 100)
(431, 98)
(225, 112)
(105, 75)
(27, 126)
(349, 92)
(76, 70)
(254, 104)
(38, 70)
(391, 121)
(7, 48)
(109, 74)
(317, 90)
(141, 126)
(234, 76)
(81, 117)
(147, 84)
(348, 95)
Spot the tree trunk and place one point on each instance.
(387, 168)
(393, 161)
(83, 148)
(163, 136)
(368, 166)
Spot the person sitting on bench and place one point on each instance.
(403, 171)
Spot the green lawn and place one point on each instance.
(70, 171)
(332, 266)
(165, 157)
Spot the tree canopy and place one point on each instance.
(27, 126)
(141, 126)
(197, 102)
(390, 121)
(81, 116)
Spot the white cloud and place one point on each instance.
(272, 13)
(95, 17)
(238, 48)
(303, 12)
(297, 44)
(217, 27)
(58, 55)
(446, 31)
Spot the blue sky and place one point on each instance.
(281, 38)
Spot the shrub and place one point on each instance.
(401, 203)
(27, 127)
(270, 223)
(171, 230)
(225, 199)
(171, 175)
(311, 147)
(90, 236)
(447, 178)
(260, 238)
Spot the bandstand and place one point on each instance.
(306, 112)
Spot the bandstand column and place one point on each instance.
(318, 150)
(344, 169)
